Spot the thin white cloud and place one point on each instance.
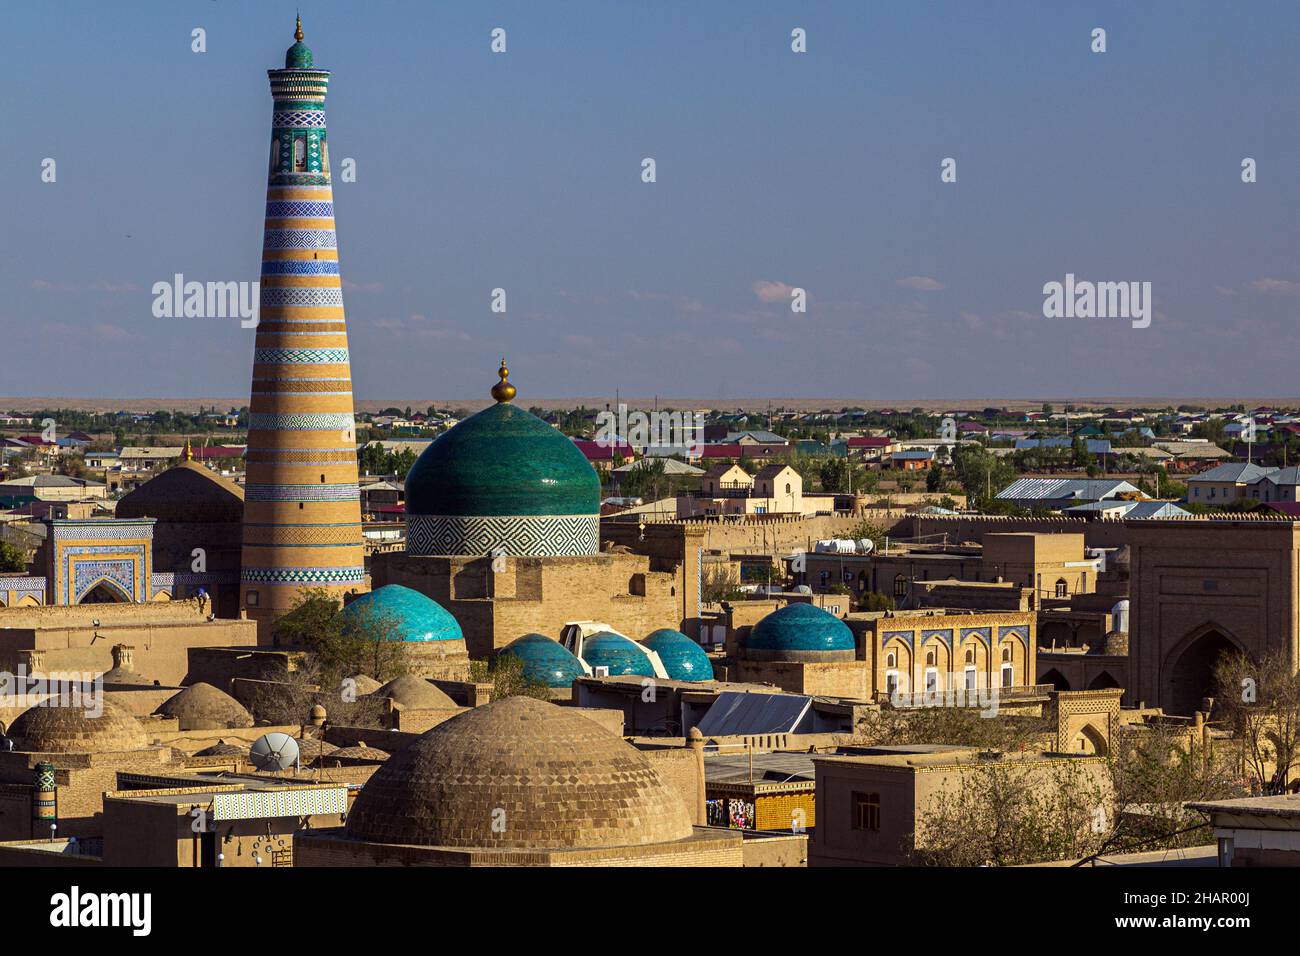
(1274, 287)
(920, 283)
(769, 290)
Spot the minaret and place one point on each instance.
(302, 511)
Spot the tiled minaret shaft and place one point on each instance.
(302, 512)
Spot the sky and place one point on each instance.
(775, 171)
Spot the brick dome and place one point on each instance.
(203, 707)
(545, 776)
(70, 730)
(415, 693)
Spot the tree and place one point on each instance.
(507, 677)
(1260, 703)
(934, 477)
(366, 642)
(719, 585)
(12, 560)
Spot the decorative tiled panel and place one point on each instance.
(981, 633)
(514, 535)
(301, 421)
(318, 298)
(87, 574)
(1019, 630)
(298, 119)
(260, 492)
(301, 267)
(945, 636)
(303, 576)
(905, 636)
(259, 804)
(300, 356)
(300, 239)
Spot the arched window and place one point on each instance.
(929, 659)
(900, 586)
(1062, 589)
(970, 655)
(1006, 655)
(891, 659)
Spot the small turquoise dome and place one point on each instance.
(800, 627)
(415, 617)
(502, 461)
(298, 56)
(618, 653)
(682, 657)
(545, 660)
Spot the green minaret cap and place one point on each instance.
(298, 56)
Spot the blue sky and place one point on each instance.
(522, 171)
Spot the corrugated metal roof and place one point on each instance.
(734, 713)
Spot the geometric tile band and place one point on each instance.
(303, 575)
(290, 535)
(323, 298)
(303, 421)
(531, 535)
(284, 209)
(300, 267)
(300, 239)
(299, 119)
(262, 492)
(300, 356)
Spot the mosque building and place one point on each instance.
(503, 531)
(302, 509)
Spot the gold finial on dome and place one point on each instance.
(297, 30)
(189, 452)
(503, 391)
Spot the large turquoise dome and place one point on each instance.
(502, 479)
(799, 632)
(618, 653)
(413, 617)
(545, 660)
(682, 657)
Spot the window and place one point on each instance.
(1006, 655)
(970, 655)
(1062, 589)
(970, 678)
(900, 586)
(1008, 675)
(891, 683)
(930, 660)
(250, 599)
(891, 659)
(866, 811)
(932, 685)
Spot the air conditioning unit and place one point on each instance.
(602, 671)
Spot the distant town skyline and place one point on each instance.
(775, 171)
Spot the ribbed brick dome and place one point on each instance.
(70, 730)
(545, 776)
(204, 707)
(415, 693)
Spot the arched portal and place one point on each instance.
(1191, 677)
(1055, 678)
(105, 592)
(1103, 681)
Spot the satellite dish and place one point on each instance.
(275, 751)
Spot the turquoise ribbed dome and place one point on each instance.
(800, 627)
(503, 461)
(545, 660)
(415, 617)
(682, 657)
(618, 653)
(298, 57)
